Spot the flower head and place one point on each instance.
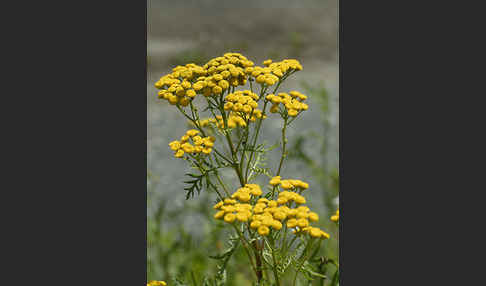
(200, 145)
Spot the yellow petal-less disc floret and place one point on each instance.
(255, 224)
(291, 223)
(302, 222)
(219, 215)
(229, 217)
(313, 217)
(242, 216)
(275, 181)
(335, 217)
(315, 232)
(179, 153)
(263, 230)
(218, 205)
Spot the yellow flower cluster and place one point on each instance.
(232, 69)
(244, 194)
(178, 86)
(201, 144)
(335, 217)
(156, 283)
(288, 183)
(230, 209)
(223, 72)
(243, 101)
(266, 214)
(185, 82)
(299, 218)
(234, 120)
(293, 102)
(272, 72)
(283, 66)
(270, 213)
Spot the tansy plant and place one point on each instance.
(273, 224)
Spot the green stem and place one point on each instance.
(284, 145)
(262, 93)
(204, 171)
(287, 247)
(245, 246)
(255, 139)
(202, 132)
(230, 143)
(222, 184)
(274, 266)
(305, 256)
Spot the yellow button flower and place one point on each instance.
(313, 216)
(228, 208)
(302, 222)
(279, 215)
(335, 217)
(241, 216)
(291, 223)
(315, 232)
(206, 150)
(263, 230)
(219, 215)
(258, 210)
(275, 181)
(267, 221)
(286, 184)
(188, 148)
(325, 235)
(260, 79)
(276, 225)
(179, 153)
(217, 89)
(229, 218)
(175, 145)
(299, 199)
(255, 224)
(272, 204)
(218, 205)
(244, 197)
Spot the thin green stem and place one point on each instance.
(228, 138)
(255, 139)
(262, 93)
(274, 266)
(305, 256)
(222, 184)
(245, 246)
(196, 123)
(284, 145)
(204, 171)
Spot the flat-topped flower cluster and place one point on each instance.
(247, 206)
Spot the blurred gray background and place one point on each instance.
(186, 31)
